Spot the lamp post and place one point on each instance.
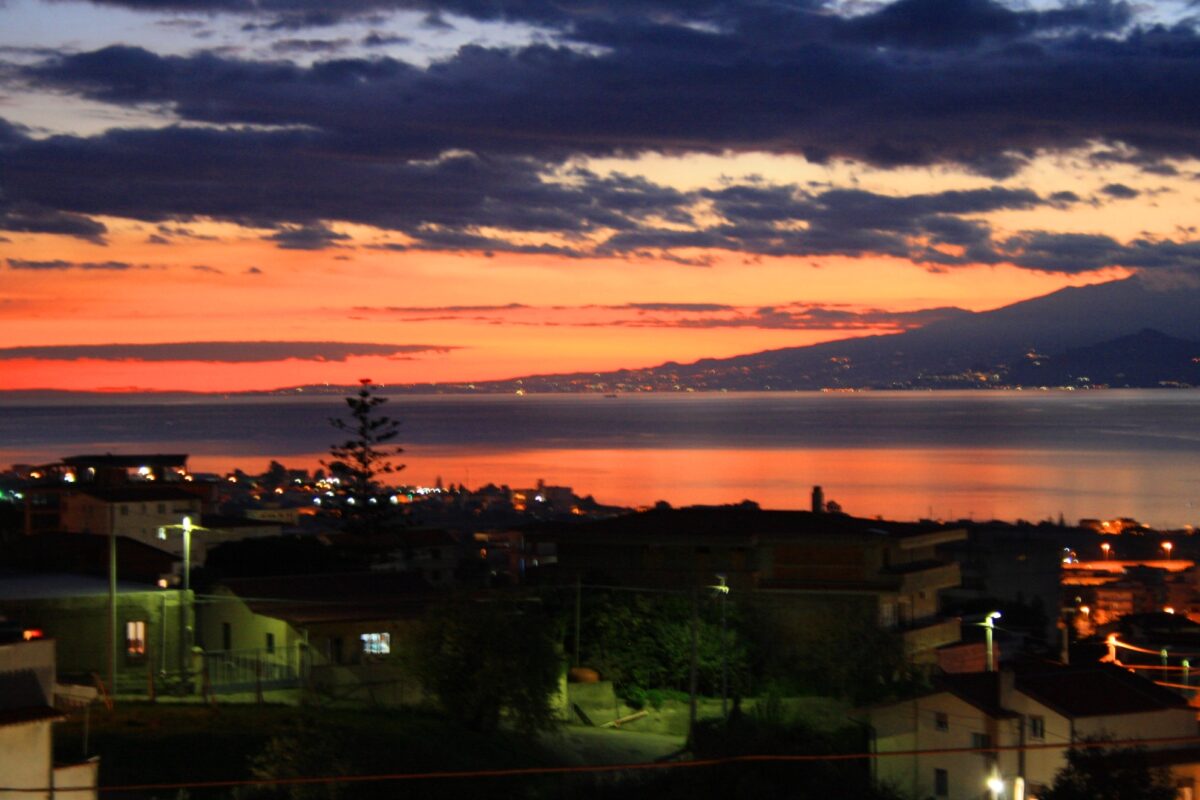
(185, 628)
(723, 588)
(1107, 548)
(989, 626)
(1168, 547)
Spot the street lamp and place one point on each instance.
(989, 625)
(1107, 548)
(995, 784)
(1168, 547)
(185, 638)
(723, 589)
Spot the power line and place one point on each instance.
(605, 768)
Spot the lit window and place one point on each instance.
(377, 644)
(135, 638)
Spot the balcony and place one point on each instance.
(924, 576)
(928, 634)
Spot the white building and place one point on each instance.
(27, 712)
(1027, 712)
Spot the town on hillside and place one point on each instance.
(988, 657)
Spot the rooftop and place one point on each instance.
(337, 597)
(738, 522)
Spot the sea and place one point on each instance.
(1006, 455)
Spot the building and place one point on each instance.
(338, 633)
(152, 636)
(814, 562)
(27, 714)
(1035, 706)
(52, 500)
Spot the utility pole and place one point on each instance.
(578, 604)
(112, 602)
(989, 625)
(692, 671)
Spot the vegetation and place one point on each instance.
(643, 643)
(366, 453)
(1103, 773)
(484, 662)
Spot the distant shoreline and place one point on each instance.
(12, 397)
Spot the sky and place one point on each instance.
(223, 195)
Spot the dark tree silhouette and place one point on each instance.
(1111, 774)
(365, 454)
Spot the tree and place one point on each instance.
(482, 661)
(302, 750)
(365, 454)
(1100, 773)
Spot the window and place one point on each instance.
(135, 638)
(270, 643)
(941, 783)
(376, 644)
(124, 510)
(162, 508)
(1037, 727)
(981, 741)
(226, 636)
(941, 721)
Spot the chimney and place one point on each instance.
(818, 500)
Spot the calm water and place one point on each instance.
(1005, 455)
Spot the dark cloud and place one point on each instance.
(683, 307)
(1120, 191)
(306, 237)
(788, 316)
(803, 317)
(32, 218)
(309, 46)
(983, 86)
(59, 264)
(441, 309)
(286, 180)
(217, 352)
(1077, 253)
(254, 271)
(377, 39)
(206, 268)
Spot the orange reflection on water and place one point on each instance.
(900, 483)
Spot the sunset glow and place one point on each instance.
(450, 194)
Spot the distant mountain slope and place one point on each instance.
(986, 348)
(1146, 358)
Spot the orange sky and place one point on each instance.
(475, 196)
(573, 317)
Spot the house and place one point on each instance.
(151, 637)
(812, 562)
(27, 714)
(340, 633)
(77, 494)
(1026, 711)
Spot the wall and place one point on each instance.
(912, 725)
(80, 627)
(26, 759)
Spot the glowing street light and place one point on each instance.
(1107, 548)
(989, 625)
(1168, 547)
(995, 785)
